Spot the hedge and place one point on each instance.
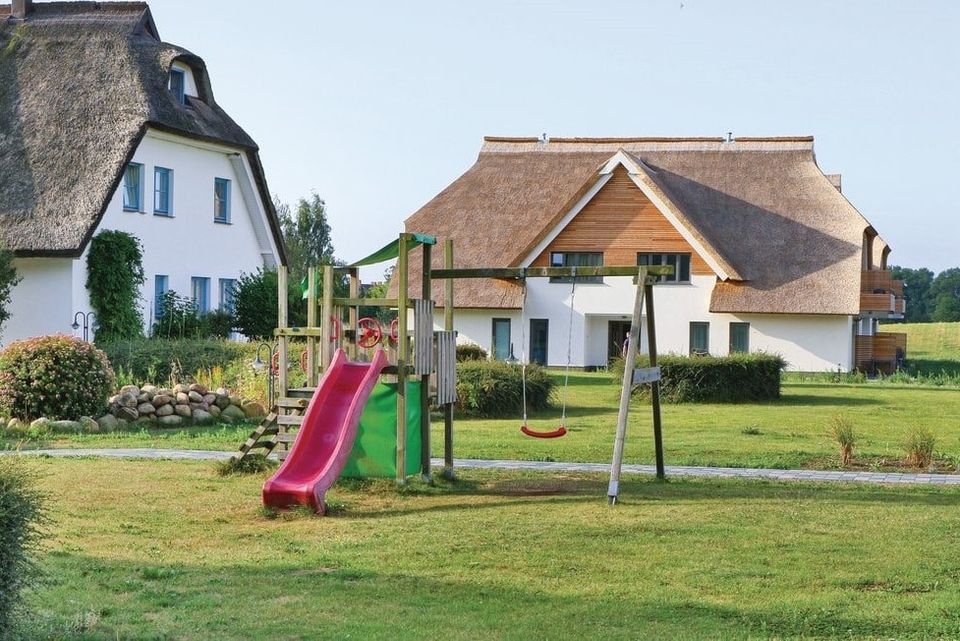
(153, 360)
(739, 378)
(494, 388)
(21, 514)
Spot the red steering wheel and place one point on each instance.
(394, 330)
(335, 329)
(369, 332)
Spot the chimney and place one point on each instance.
(21, 8)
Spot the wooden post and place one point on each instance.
(354, 315)
(403, 355)
(282, 323)
(613, 489)
(655, 387)
(425, 294)
(326, 312)
(311, 322)
(448, 325)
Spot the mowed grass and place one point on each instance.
(792, 432)
(169, 550)
(930, 341)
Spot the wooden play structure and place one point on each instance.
(418, 365)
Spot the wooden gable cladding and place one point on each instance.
(621, 221)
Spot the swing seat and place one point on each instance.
(557, 433)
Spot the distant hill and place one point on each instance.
(930, 341)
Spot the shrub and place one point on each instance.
(470, 352)
(114, 277)
(8, 280)
(843, 433)
(54, 376)
(21, 515)
(255, 304)
(158, 360)
(177, 317)
(738, 378)
(919, 445)
(495, 388)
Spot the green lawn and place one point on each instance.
(792, 431)
(930, 341)
(169, 550)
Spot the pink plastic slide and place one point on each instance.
(326, 436)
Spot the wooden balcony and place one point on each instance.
(881, 295)
(881, 353)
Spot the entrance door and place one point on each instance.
(538, 340)
(501, 339)
(617, 332)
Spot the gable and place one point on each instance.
(621, 221)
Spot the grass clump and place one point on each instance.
(842, 431)
(919, 444)
(249, 464)
(21, 514)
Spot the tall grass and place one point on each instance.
(843, 433)
(21, 514)
(919, 444)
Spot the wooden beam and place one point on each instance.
(281, 325)
(424, 400)
(448, 325)
(403, 356)
(355, 301)
(326, 311)
(655, 386)
(512, 273)
(311, 322)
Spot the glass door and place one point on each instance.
(539, 333)
(501, 339)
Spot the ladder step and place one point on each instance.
(291, 419)
(293, 403)
(301, 392)
(262, 444)
(286, 438)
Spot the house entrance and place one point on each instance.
(617, 332)
(539, 331)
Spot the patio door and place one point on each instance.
(617, 333)
(501, 339)
(539, 333)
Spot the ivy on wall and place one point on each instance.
(8, 280)
(114, 277)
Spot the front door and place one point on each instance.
(538, 340)
(501, 339)
(617, 333)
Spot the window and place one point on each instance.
(699, 339)
(227, 288)
(200, 292)
(739, 338)
(501, 339)
(221, 200)
(679, 262)
(133, 187)
(178, 85)
(577, 259)
(161, 284)
(162, 191)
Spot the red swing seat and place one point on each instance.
(557, 433)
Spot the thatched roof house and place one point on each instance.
(80, 84)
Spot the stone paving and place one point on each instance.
(544, 466)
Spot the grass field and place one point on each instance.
(930, 341)
(169, 550)
(789, 433)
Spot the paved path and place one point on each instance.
(672, 470)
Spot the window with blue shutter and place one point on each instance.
(162, 191)
(200, 292)
(133, 187)
(221, 200)
(161, 283)
(699, 339)
(227, 288)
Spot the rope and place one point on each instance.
(566, 376)
(523, 349)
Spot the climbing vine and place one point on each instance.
(114, 277)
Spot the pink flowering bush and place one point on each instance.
(58, 377)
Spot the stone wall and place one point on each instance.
(180, 405)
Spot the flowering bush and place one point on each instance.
(57, 377)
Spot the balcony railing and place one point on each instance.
(880, 294)
(881, 353)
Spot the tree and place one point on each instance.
(255, 304)
(8, 280)
(947, 309)
(306, 233)
(917, 284)
(945, 292)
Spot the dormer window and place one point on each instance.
(178, 85)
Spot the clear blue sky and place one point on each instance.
(379, 105)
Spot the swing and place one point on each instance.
(562, 430)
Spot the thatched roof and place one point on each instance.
(80, 83)
(783, 235)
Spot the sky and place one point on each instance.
(377, 106)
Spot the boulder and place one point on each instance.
(162, 399)
(127, 399)
(146, 408)
(41, 426)
(253, 409)
(149, 389)
(66, 427)
(16, 427)
(113, 399)
(222, 401)
(143, 420)
(90, 426)
(170, 421)
(209, 399)
(181, 388)
(143, 397)
(122, 424)
(233, 412)
(127, 413)
(182, 398)
(164, 410)
(198, 388)
(214, 411)
(236, 400)
(130, 389)
(200, 417)
(165, 391)
(183, 410)
(107, 423)
(194, 396)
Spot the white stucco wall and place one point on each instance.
(807, 342)
(42, 302)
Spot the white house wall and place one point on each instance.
(42, 302)
(807, 342)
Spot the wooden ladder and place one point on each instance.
(278, 429)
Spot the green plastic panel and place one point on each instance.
(374, 453)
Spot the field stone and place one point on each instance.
(143, 420)
(165, 391)
(236, 400)
(143, 397)
(253, 409)
(181, 388)
(130, 389)
(16, 426)
(183, 410)
(182, 398)
(198, 388)
(222, 400)
(113, 399)
(146, 408)
(90, 426)
(127, 413)
(214, 411)
(222, 391)
(41, 425)
(122, 424)
(200, 417)
(209, 399)
(164, 410)
(149, 389)
(170, 421)
(161, 399)
(66, 427)
(127, 400)
(233, 412)
(108, 422)
(195, 396)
